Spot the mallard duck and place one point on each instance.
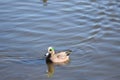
(59, 57)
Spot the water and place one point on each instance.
(90, 28)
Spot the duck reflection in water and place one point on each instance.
(50, 70)
(52, 59)
(51, 67)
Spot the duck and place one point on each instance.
(60, 57)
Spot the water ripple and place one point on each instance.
(89, 28)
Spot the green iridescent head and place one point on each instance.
(50, 49)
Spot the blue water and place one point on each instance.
(90, 28)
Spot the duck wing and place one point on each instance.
(61, 55)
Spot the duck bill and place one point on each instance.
(46, 54)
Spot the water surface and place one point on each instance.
(90, 28)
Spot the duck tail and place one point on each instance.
(68, 52)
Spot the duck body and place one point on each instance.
(59, 57)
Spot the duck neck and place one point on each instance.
(53, 52)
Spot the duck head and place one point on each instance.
(51, 51)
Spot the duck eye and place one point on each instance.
(50, 49)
